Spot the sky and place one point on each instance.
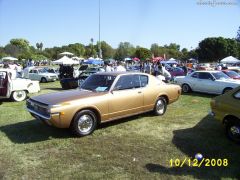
(140, 22)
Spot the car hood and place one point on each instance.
(65, 96)
(47, 74)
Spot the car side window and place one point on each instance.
(31, 71)
(144, 80)
(237, 95)
(195, 75)
(207, 76)
(127, 82)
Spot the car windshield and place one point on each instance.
(232, 73)
(220, 75)
(42, 70)
(99, 83)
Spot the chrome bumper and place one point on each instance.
(211, 113)
(39, 115)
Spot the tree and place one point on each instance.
(38, 46)
(125, 49)
(107, 50)
(21, 43)
(41, 46)
(238, 35)
(216, 48)
(143, 53)
(155, 49)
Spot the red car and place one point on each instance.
(232, 74)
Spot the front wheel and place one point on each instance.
(160, 106)
(19, 96)
(233, 131)
(186, 88)
(43, 80)
(84, 123)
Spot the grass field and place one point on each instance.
(139, 147)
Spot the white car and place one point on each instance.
(42, 75)
(16, 88)
(211, 82)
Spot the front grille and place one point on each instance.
(38, 107)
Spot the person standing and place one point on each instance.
(120, 67)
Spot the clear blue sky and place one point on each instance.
(140, 22)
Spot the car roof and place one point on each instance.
(116, 73)
(208, 71)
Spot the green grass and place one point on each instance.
(138, 147)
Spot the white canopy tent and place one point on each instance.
(9, 58)
(65, 61)
(66, 54)
(230, 59)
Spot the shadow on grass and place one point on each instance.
(33, 131)
(124, 120)
(198, 94)
(207, 138)
(54, 89)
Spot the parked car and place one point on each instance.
(16, 88)
(176, 71)
(103, 97)
(84, 72)
(212, 82)
(225, 108)
(232, 74)
(42, 75)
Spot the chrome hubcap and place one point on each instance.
(235, 131)
(160, 106)
(85, 123)
(19, 94)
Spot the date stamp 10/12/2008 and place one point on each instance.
(199, 161)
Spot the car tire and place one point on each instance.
(160, 106)
(19, 96)
(84, 123)
(186, 88)
(233, 131)
(226, 90)
(43, 80)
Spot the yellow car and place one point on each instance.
(103, 97)
(226, 108)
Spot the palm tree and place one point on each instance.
(38, 46)
(92, 46)
(41, 46)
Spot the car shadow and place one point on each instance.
(33, 131)
(54, 89)
(124, 120)
(198, 94)
(207, 138)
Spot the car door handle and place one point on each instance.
(139, 92)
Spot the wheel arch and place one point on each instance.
(230, 118)
(93, 109)
(165, 97)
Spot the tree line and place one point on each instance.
(210, 49)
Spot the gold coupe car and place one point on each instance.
(226, 108)
(103, 97)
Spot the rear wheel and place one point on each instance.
(43, 80)
(186, 88)
(84, 123)
(233, 130)
(160, 106)
(19, 95)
